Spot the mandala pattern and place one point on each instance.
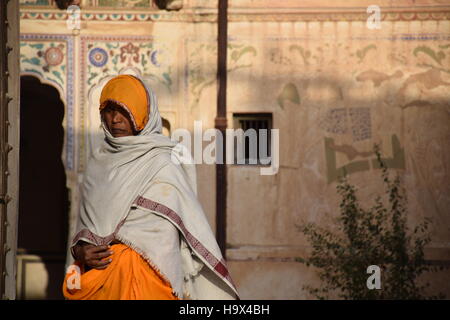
(98, 57)
(53, 56)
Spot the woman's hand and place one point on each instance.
(93, 256)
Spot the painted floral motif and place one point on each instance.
(114, 56)
(37, 2)
(155, 57)
(53, 56)
(200, 73)
(45, 59)
(98, 57)
(123, 3)
(131, 52)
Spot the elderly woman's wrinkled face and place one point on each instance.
(117, 121)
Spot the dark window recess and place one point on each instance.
(255, 142)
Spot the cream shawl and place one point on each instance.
(133, 192)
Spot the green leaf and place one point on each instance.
(34, 60)
(37, 45)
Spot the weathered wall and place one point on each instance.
(334, 87)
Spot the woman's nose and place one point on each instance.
(117, 117)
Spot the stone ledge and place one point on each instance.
(244, 14)
(434, 255)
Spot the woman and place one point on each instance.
(141, 232)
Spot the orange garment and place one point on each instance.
(128, 92)
(127, 277)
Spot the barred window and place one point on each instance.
(252, 144)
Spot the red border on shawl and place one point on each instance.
(218, 265)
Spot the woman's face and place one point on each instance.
(117, 121)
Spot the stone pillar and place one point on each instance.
(10, 117)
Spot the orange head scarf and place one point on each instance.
(129, 93)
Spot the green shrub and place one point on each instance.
(375, 236)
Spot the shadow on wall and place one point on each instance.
(44, 204)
